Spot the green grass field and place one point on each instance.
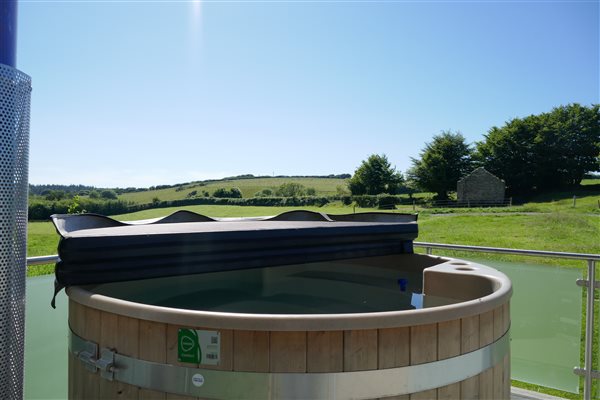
(323, 187)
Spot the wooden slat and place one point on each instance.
(498, 322)
(486, 384)
(325, 351)
(287, 352)
(152, 347)
(449, 339)
(109, 332)
(449, 392)
(506, 377)
(469, 388)
(506, 316)
(486, 328)
(76, 317)
(423, 343)
(75, 372)
(393, 347)
(360, 350)
(251, 351)
(71, 366)
(469, 335)
(449, 342)
(498, 370)
(91, 332)
(127, 344)
(172, 358)
(486, 336)
(426, 395)
(498, 390)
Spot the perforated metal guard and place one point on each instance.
(15, 91)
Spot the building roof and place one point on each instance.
(480, 171)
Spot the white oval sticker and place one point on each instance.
(197, 380)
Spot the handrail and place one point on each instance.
(482, 249)
(501, 250)
(41, 260)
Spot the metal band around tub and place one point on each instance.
(254, 385)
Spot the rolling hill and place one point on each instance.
(248, 186)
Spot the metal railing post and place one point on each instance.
(589, 330)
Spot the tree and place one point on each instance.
(75, 206)
(544, 152)
(342, 190)
(375, 175)
(108, 194)
(291, 189)
(442, 163)
(54, 195)
(234, 193)
(264, 193)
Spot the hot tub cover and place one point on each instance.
(97, 249)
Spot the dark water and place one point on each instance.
(314, 288)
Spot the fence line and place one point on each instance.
(470, 203)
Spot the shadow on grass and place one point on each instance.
(565, 194)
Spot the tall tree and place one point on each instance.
(441, 164)
(544, 152)
(375, 175)
(507, 153)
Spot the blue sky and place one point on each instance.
(147, 93)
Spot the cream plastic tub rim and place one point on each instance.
(454, 277)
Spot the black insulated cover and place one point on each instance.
(97, 249)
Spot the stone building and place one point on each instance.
(480, 186)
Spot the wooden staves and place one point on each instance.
(295, 352)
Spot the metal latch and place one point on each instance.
(106, 362)
(88, 355)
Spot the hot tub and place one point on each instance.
(396, 325)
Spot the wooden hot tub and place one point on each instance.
(397, 325)
(342, 355)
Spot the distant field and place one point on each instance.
(323, 187)
(328, 186)
(590, 182)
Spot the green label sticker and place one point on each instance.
(199, 346)
(188, 348)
